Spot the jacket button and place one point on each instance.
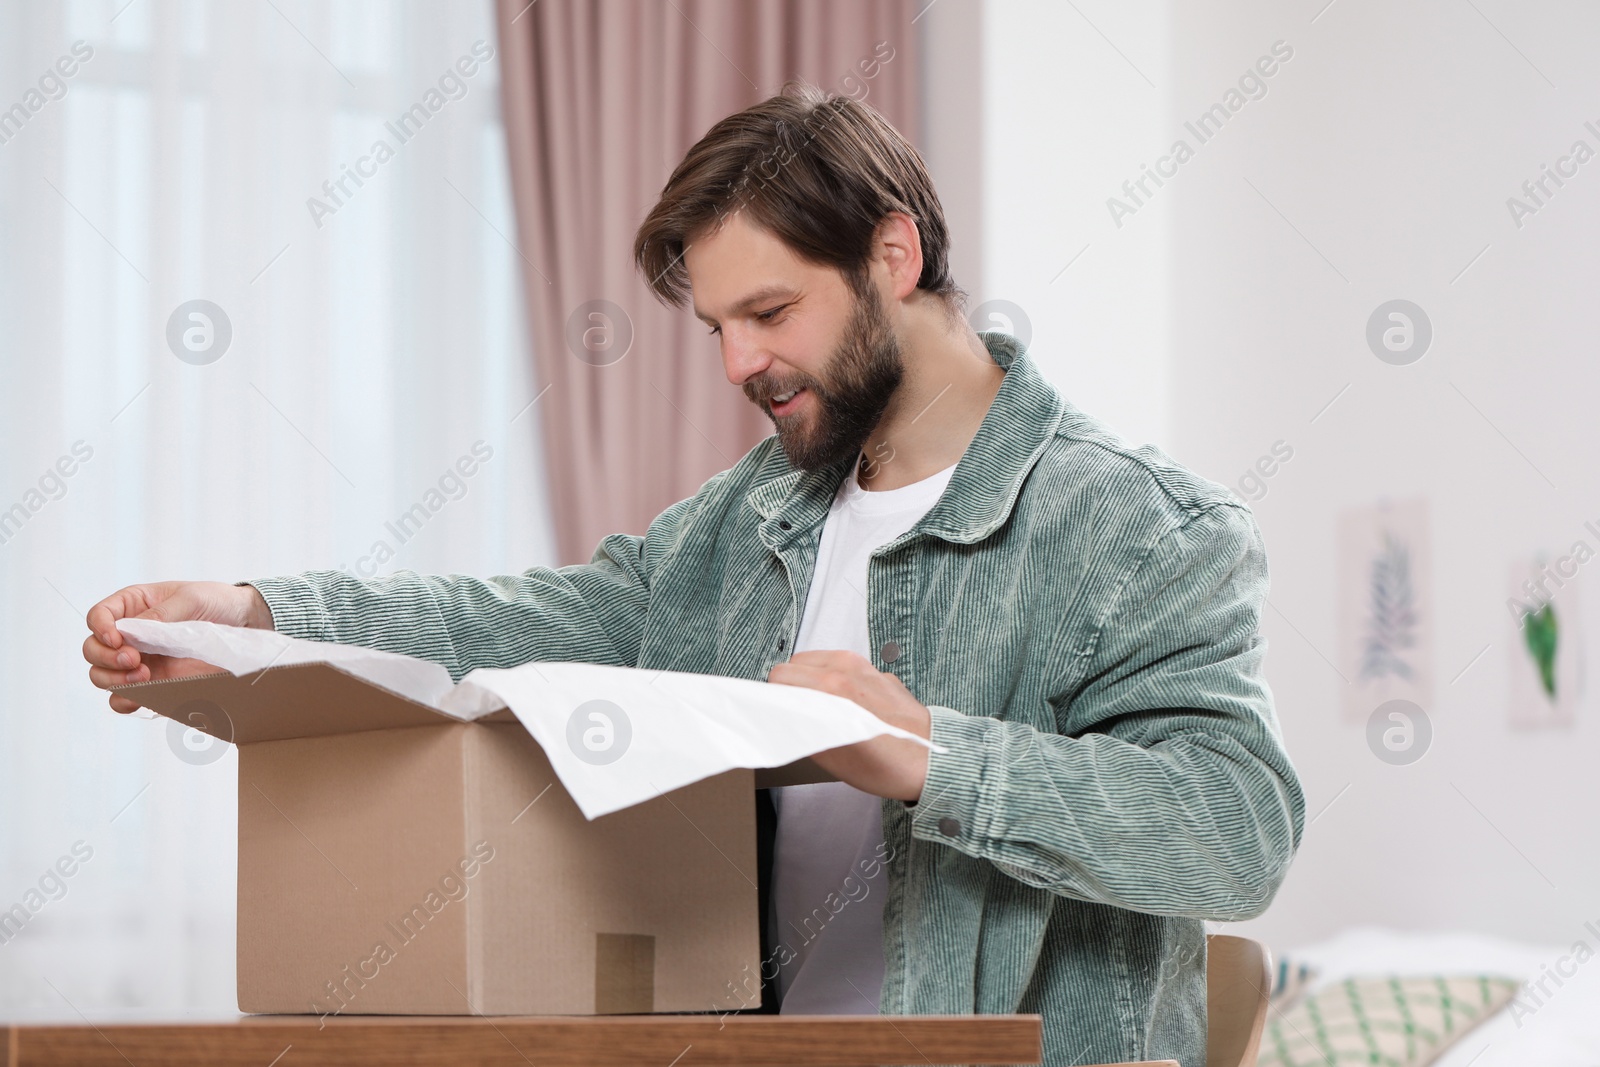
(783, 525)
(949, 826)
(890, 651)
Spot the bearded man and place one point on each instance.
(937, 534)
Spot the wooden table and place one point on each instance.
(546, 1041)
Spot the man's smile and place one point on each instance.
(786, 403)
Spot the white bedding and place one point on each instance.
(1562, 1031)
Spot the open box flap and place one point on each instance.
(302, 700)
(319, 700)
(616, 736)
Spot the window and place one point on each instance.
(236, 342)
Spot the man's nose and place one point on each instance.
(741, 358)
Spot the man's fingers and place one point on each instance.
(789, 673)
(102, 620)
(806, 675)
(122, 604)
(164, 667)
(122, 705)
(150, 601)
(823, 657)
(105, 679)
(100, 654)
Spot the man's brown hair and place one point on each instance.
(819, 171)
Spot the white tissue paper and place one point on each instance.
(673, 729)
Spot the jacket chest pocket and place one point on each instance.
(986, 628)
(738, 627)
(754, 622)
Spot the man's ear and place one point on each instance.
(898, 245)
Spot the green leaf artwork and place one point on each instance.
(1539, 634)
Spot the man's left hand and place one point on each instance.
(883, 766)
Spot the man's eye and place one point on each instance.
(763, 316)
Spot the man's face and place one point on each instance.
(821, 360)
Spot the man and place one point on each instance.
(936, 534)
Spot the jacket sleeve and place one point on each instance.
(591, 612)
(1166, 788)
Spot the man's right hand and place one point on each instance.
(112, 661)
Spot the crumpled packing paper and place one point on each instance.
(615, 736)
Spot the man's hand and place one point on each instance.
(884, 766)
(112, 661)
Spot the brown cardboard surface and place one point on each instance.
(393, 860)
(624, 973)
(302, 700)
(341, 839)
(800, 772)
(679, 869)
(318, 699)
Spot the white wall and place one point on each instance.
(1230, 307)
(1074, 99)
(1391, 142)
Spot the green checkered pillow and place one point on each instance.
(1382, 1021)
(1291, 978)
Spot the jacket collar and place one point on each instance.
(984, 486)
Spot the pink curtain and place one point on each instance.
(601, 99)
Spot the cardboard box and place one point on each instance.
(393, 860)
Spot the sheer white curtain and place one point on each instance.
(226, 152)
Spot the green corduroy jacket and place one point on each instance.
(1081, 618)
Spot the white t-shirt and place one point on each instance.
(824, 907)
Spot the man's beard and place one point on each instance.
(862, 376)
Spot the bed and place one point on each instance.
(1373, 995)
